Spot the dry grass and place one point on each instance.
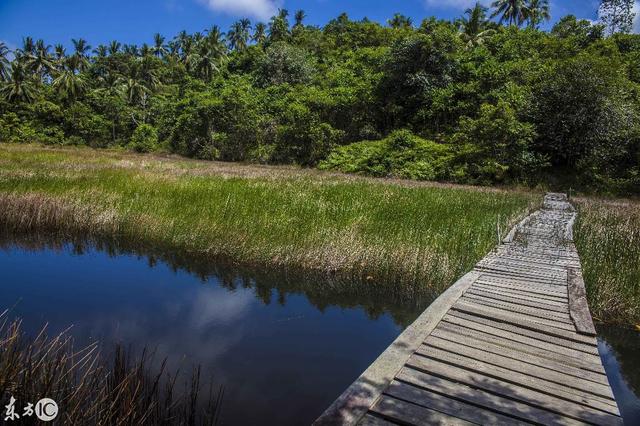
(91, 391)
(608, 239)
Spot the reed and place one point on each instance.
(93, 389)
(405, 236)
(607, 236)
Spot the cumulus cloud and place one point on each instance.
(452, 4)
(261, 9)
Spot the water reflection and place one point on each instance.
(620, 352)
(284, 345)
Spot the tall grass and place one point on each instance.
(607, 236)
(92, 390)
(396, 235)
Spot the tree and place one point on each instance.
(512, 11)
(238, 36)
(68, 83)
(159, 48)
(40, 61)
(114, 47)
(617, 15)
(299, 17)
(4, 62)
(400, 21)
(474, 25)
(81, 48)
(20, 86)
(60, 52)
(279, 26)
(259, 33)
(101, 51)
(537, 11)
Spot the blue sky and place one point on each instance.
(135, 21)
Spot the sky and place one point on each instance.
(135, 21)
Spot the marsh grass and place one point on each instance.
(362, 230)
(607, 236)
(401, 236)
(92, 389)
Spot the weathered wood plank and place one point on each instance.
(408, 413)
(484, 399)
(578, 303)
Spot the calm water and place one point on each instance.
(283, 348)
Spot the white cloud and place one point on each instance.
(636, 20)
(261, 9)
(453, 4)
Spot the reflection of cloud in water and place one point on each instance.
(189, 324)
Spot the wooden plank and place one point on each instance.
(527, 337)
(446, 405)
(519, 351)
(483, 399)
(511, 391)
(532, 320)
(411, 414)
(578, 303)
(520, 299)
(520, 366)
(522, 292)
(508, 305)
(369, 420)
(502, 316)
(520, 379)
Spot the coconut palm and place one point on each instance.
(512, 11)
(114, 47)
(259, 33)
(159, 48)
(238, 36)
(81, 47)
(69, 84)
(299, 17)
(20, 85)
(130, 49)
(101, 51)
(4, 62)
(60, 52)
(474, 24)
(537, 11)
(400, 21)
(40, 61)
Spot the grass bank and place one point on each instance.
(392, 235)
(607, 236)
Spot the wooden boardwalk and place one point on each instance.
(512, 342)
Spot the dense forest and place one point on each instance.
(488, 98)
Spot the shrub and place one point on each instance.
(144, 139)
(402, 154)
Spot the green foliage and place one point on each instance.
(144, 139)
(506, 102)
(401, 155)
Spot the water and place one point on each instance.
(620, 352)
(283, 348)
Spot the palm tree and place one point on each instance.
(114, 47)
(81, 47)
(60, 52)
(238, 36)
(40, 61)
(474, 25)
(512, 11)
(69, 85)
(159, 48)
(209, 53)
(20, 85)
(4, 62)
(130, 49)
(259, 33)
(299, 16)
(537, 11)
(101, 51)
(400, 21)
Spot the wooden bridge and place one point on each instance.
(512, 342)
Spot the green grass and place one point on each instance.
(607, 236)
(385, 235)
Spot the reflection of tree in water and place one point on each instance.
(269, 285)
(625, 343)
